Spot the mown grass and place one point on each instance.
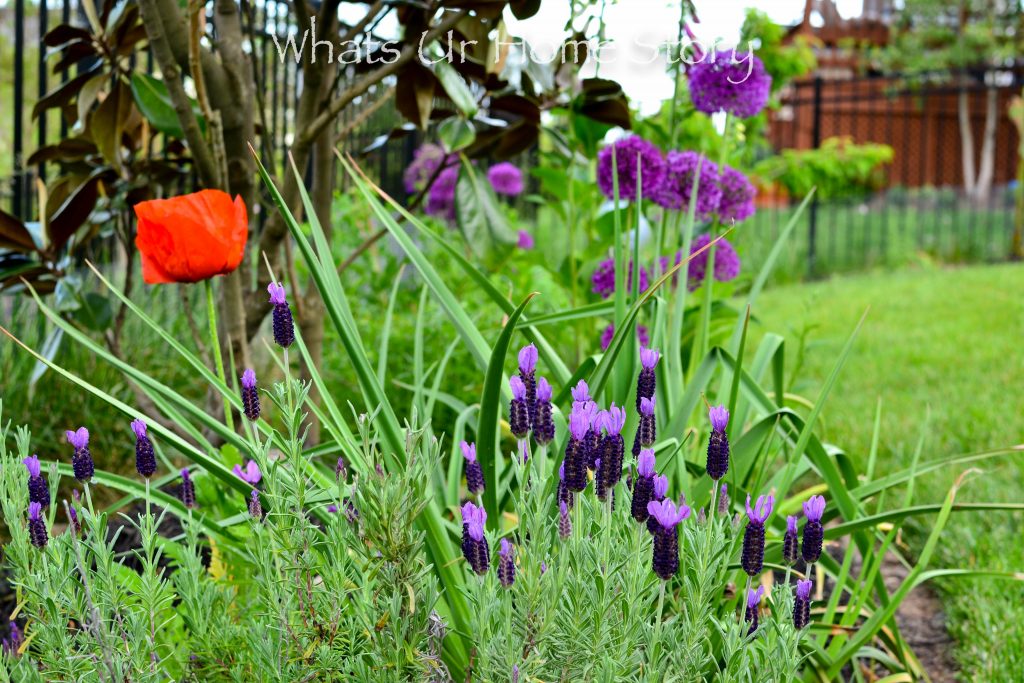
(945, 343)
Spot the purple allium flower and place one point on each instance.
(36, 526)
(506, 179)
(627, 150)
(425, 162)
(613, 450)
(255, 509)
(38, 489)
(603, 279)
(677, 191)
(543, 425)
(608, 334)
(645, 381)
(564, 523)
(753, 538)
(518, 411)
(441, 197)
(646, 431)
(506, 564)
(643, 486)
(250, 396)
(12, 643)
(723, 499)
(474, 545)
(727, 261)
(790, 542)
(524, 240)
(474, 473)
(718, 443)
(665, 557)
(145, 458)
(802, 604)
(250, 475)
(580, 392)
(725, 81)
(187, 490)
(753, 601)
(527, 373)
(284, 326)
(737, 203)
(814, 532)
(81, 459)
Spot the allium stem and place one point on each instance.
(218, 358)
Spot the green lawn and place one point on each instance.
(949, 342)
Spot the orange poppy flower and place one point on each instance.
(192, 237)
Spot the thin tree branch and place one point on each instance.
(205, 164)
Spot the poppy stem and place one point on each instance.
(218, 358)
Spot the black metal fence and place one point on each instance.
(923, 211)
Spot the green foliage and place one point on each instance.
(839, 168)
(783, 61)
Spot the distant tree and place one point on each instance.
(968, 41)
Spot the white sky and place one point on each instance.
(634, 25)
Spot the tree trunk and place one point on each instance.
(966, 141)
(986, 166)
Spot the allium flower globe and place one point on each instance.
(727, 81)
(627, 150)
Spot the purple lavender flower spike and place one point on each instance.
(643, 486)
(36, 526)
(658, 492)
(145, 458)
(575, 450)
(543, 568)
(592, 439)
(528, 375)
(725, 81)
(565, 494)
(646, 382)
(255, 508)
(718, 443)
(802, 604)
(12, 643)
(543, 425)
(524, 240)
(613, 449)
(580, 392)
(38, 489)
(627, 151)
(518, 411)
(73, 522)
(665, 556)
(646, 431)
(81, 459)
(676, 193)
(564, 523)
(790, 542)
(284, 326)
(474, 545)
(250, 396)
(736, 205)
(814, 532)
(506, 564)
(474, 473)
(753, 602)
(753, 538)
(723, 500)
(250, 475)
(188, 490)
(506, 179)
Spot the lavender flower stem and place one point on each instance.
(218, 358)
(656, 642)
